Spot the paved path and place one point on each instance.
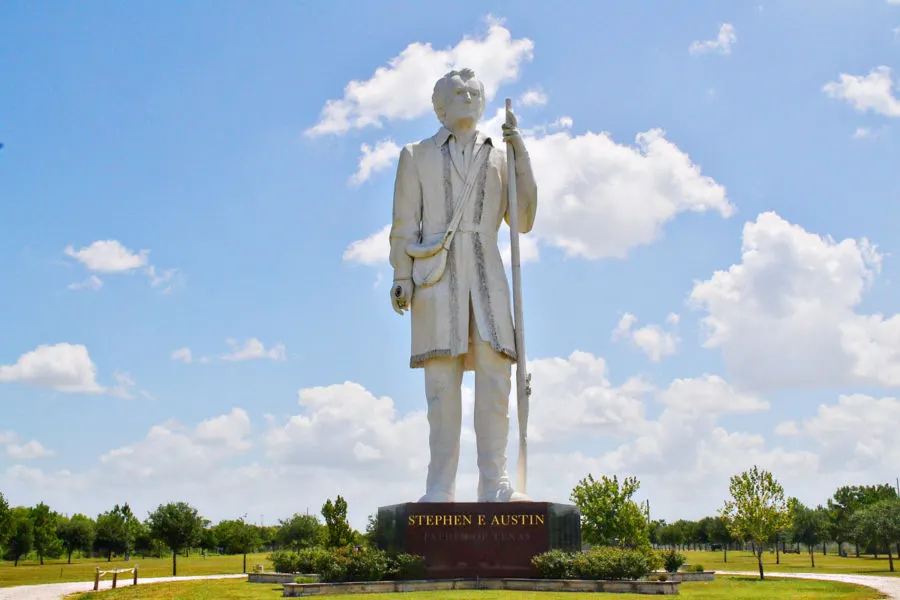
(889, 586)
(55, 591)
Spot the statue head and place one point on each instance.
(458, 98)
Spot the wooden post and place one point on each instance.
(115, 576)
(135, 574)
(96, 578)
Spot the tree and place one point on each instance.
(21, 535)
(757, 509)
(5, 520)
(847, 500)
(608, 514)
(238, 537)
(44, 521)
(76, 533)
(879, 525)
(338, 528)
(808, 526)
(720, 533)
(113, 534)
(177, 525)
(300, 531)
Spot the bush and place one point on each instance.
(662, 577)
(350, 564)
(284, 562)
(312, 560)
(673, 560)
(554, 564)
(697, 569)
(304, 580)
(613, 563)
(407, 566)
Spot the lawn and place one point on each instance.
(730, 588)
(57, 571)
(796, 563)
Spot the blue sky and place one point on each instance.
(195, 131)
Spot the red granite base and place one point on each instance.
(470, 539)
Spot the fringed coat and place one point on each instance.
(427, 186)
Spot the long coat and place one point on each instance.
(427, 185)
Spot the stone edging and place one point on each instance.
(262, 577)
(294, 590)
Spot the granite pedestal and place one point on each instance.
(478, 539)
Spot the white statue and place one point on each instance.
(456, 286)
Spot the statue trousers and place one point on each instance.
(443, 383)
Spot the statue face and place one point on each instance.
(463, 102)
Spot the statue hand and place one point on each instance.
(511, 132)
(401, 295)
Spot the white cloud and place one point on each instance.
(126, 386)
(528, 248)
(161, 277)
(709, 394)
(15, 449)
(253, 348)
(27, 451)
(785, 315)
(346, 440)
(374, 159)
(231, 430)
(62, 367)
(533, 97)
(92, 283)
(373, 250)
(108, 256)
(862, 132)
(183, 354)
(867, 92)
(597, 199)
(592, 404)
(857, 434)
(402, 90)
(652, 339)
(722, 43)
(345, 426)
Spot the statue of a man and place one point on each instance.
(461, 322)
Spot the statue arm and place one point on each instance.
(526, 191)
(407, 214)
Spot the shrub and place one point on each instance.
(697, 568)
(554, 564)
(304, 580)
(349, 564)
(673, 560)
(312, 560)
(284, 562)
(662, 577)
(407, 566)
(613, 563)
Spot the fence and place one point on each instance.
(115, 576)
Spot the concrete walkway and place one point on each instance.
(56, 591)
(890, 586)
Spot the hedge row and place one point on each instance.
(350, 564)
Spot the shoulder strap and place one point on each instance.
(480, 157)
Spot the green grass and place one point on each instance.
(57, 571)
(793, 563)
(730, 588)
